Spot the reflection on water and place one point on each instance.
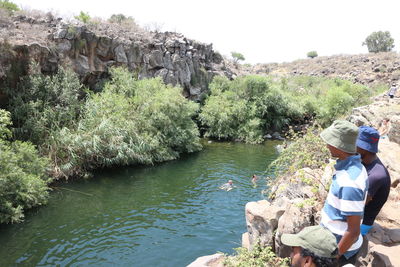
(165, 215)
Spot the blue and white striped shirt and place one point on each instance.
(346, 197)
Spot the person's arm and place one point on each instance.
(375, 183)
(351, 235)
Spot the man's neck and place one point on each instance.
(369, 158)
(345, 155)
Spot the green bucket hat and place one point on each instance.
(316, 239)
(342, 135)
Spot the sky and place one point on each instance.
(264, 31)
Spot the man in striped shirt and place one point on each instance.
(344, 206)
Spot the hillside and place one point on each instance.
(367, 69)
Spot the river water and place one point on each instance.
(163, 215)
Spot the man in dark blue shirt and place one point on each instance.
(378, 175)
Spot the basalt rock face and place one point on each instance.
(171, 56)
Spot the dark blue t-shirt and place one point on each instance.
(379, 188)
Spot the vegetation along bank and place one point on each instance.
(132, 121)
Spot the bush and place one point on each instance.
(301, 151)
(312, 54)
(336, 103)
(129, 122)
(379, 42)
(83, 17)
(306, 150)
(326, 99)
(245, 108)
(23, 179)
(10, 7)
(44, 104)
(258, 256)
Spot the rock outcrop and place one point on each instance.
(215, 260)
(288, 212)
(91, 52)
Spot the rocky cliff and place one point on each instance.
(92, 49)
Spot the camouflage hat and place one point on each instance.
(316, 239)
(342, 135)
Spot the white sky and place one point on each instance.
(262, 30)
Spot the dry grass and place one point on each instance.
(113, 29)
(4, 17)
(32, 13)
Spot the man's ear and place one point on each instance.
(308, 261)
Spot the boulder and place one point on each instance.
(262, 220)
(394, 132)
(120, 55)
(292, 221)
(380, 256)
(277, 136)
(214, 260)
(156, 59)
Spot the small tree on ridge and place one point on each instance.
(312, 54)
(237, 57)
(379, 42)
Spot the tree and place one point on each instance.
(83, 16)
(379, 42)
(312, 54)
(237, 57)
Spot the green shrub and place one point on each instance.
(23, 179)
(327, 99)
(44, 104)
(84, 17)
(10, 7)
(129, 122)
(245, 108)
(301, 151)
(336, 103)
(312, 54)
(256, 257)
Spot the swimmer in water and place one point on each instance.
(254, 180)
(228, 186)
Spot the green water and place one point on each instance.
(164, 215)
